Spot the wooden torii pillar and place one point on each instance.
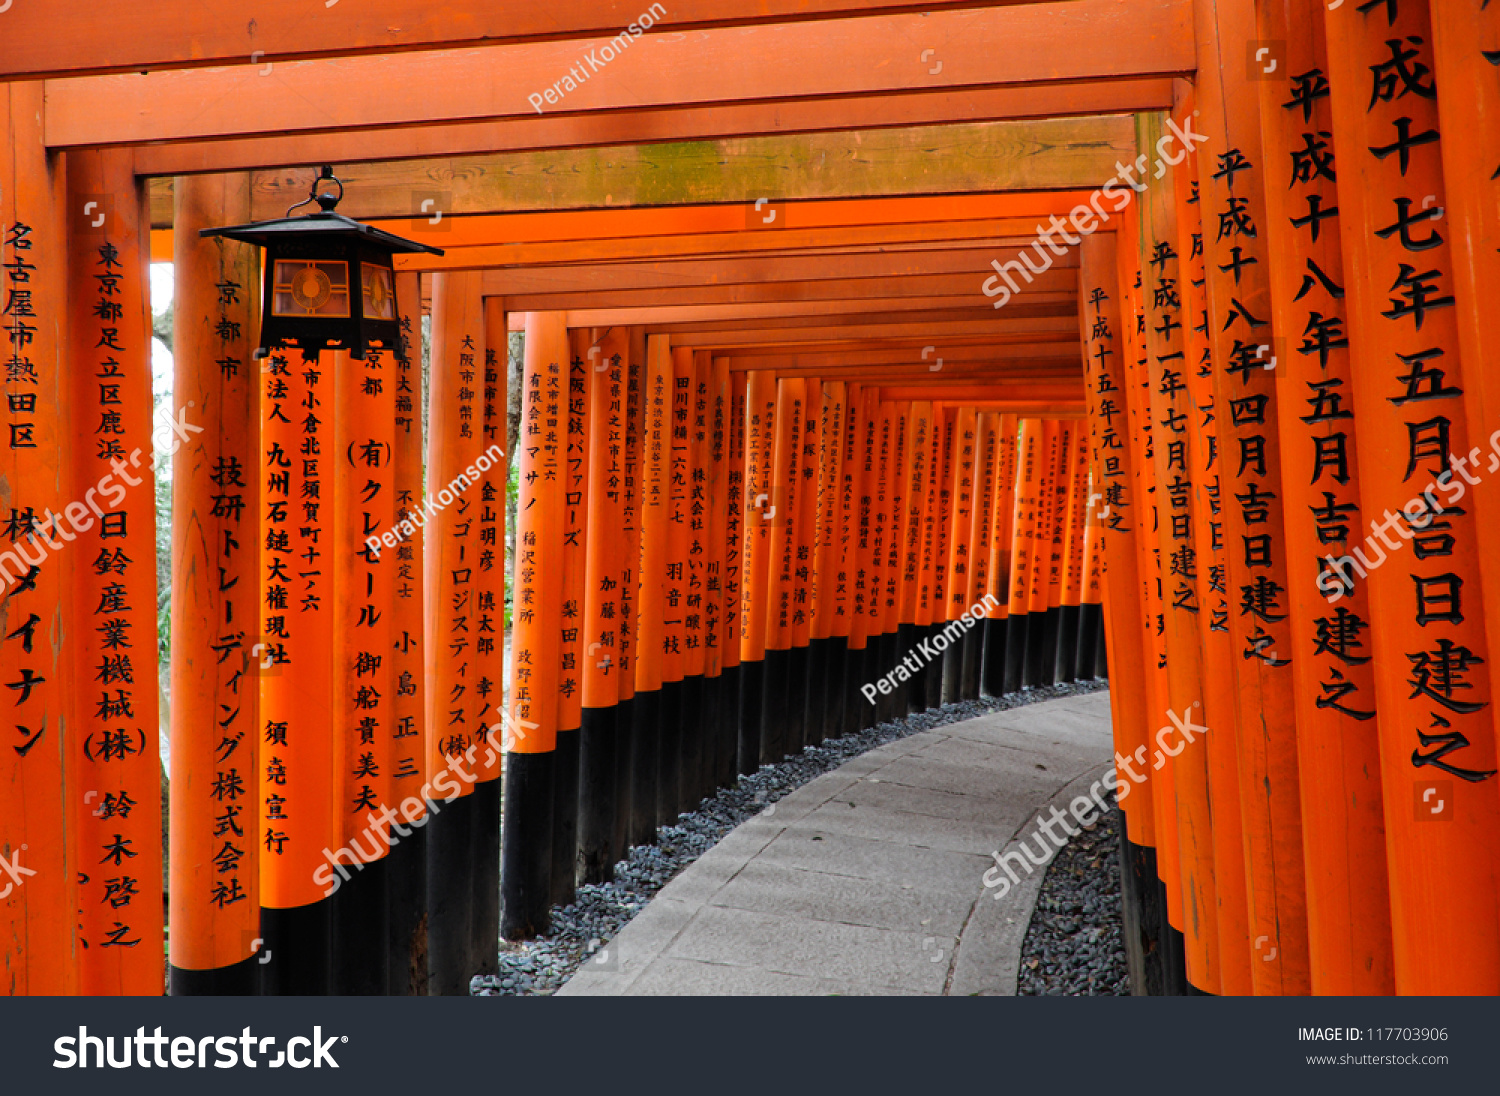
(1409, 381)
(217, 505)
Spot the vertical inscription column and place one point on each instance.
(217, 594)
(116, 719)
(1432, 688)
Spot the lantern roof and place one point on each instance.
(322, 225)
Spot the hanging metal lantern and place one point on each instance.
(328, 280)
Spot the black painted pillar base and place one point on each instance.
(775, 699)
(240, 979)
(1090, 632)
(624, 749)
(953, 667)
(916, 689)
(729, 726)
(597, 795)
(450, 895)
(752, 691)
(359, 933)
(869, 714)
(526, 854)
(1175, 952)
(854, 677)
(796, 700)
(932, 672)
(669, 755)
(814, 728)
(713, 734)
(645, 739)
(690, 731)
(971, 655)
(1142, 918)
(1067, 642)
(565, 817)
(1017, 639)
(835, 686)
(906, 641)
(486, 869)
(1101, 659)
(406, 890)
(992, 662)
(1041, 650)
(298, 944)
(886, 708)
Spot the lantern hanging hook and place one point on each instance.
(325, 199)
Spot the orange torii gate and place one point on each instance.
(773, 466)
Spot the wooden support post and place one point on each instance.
(489, 635)
(826, 664)
(896, 476)
(601, 618)
(862, 631)
(1465, 54)
(1169, 405)
(1136, 399)
(302, 790)
(960, 535)
(712, 409)
(216, 578)
(1052, 559)
(1244, 341)
(760, 433)
(882, 641)
(846, 605)
(362, 551)
(1038, 632)
(1220, 712)
(1343, 827)
(407, 870)
(782, 517)
(1027, 496)
(1073, 560)
(914, 479)
(732, 502)
(1409, 391)
(804, 685)
(669, 758)
(531, 732)
(116, 767)
(632, 345)
(996, 624)
(574, 490)
(654, 383)
(697, 607)
(651, 739)
(1113, 455)
(930, 602)
(986, 455)
(454, 430)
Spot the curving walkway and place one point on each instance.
(869, 879)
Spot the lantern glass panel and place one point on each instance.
(312, 289)
(379, 292)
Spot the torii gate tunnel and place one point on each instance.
(788, 367)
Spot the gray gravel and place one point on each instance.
(1074, 946)
(538, 967)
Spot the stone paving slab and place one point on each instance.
(869, 880)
